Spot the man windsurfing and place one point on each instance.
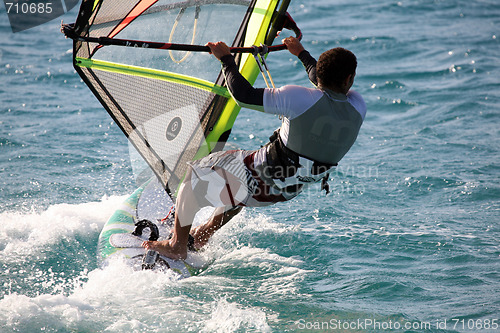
(320, 126)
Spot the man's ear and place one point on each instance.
(349, 80)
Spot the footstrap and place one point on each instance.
(142, 224)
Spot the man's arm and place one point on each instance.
(241, 90)
(295, 47)
(310, 64)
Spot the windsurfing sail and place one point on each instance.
(173, 106)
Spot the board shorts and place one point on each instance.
(230, 179)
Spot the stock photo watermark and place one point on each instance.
(26, 14)
(370, 324)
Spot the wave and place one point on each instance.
(26, 234)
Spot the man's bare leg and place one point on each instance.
(187, 205)
(186, 209)
(219, 218)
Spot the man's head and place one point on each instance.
(336, 69)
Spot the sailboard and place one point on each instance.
(147, 63)
(145, 215)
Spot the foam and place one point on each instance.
(231, 317)
(117, 298)
(30, 314)
(24, 234)
(107, 297)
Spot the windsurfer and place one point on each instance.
(320, 125)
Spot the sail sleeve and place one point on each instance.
(174, 106)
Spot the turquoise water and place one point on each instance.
(408, 240)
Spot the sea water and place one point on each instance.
(408, 239)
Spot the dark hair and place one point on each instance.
(335, 65)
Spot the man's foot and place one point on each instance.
(167, 249)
